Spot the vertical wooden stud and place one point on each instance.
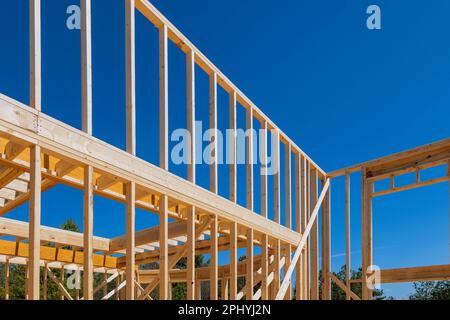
(214, 259)
(213, 169)
(249, 270)
(163, 98)
(88, 221)
(347, 234)
(233, 260)
(86, 66)
(314, 238)
(249, 157)
(276, 176)
(130, 237)
(232, 147)
(163, 248)
(35, 54)
(190, 79)
(264, 169)
(190, 253)
(34, 223)
(130, 76)
(287, 186)
(326, 245)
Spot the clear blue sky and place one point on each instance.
(341, 92)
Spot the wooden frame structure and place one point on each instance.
(38, 152)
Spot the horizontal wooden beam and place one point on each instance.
(410, 158)
(429, 273)
(20, 249)
(20, 229)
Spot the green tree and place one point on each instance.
(432, 290)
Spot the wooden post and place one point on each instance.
(287, 254)
(276, 176)
(190, 79)
(62, 275)
(35, 223)
(287, 186)
(249, 157)
(7, 272)
(35, 54)
(86, 66)
(224, 288)
(88, 220)
(264, 173)
(305, 219)
(130, 76)
(298, 224)
(314, 239)
(163, 98)
(276, 279)
(448, 174)
(367, 258)
(163, 248)
(117, 286)
(213, 259)
(264, 267)
(130, 237)
(326, 245)
(198, 290)
(190, 278)
(249, 270)
(213, 169)
(233, 260)
(347, 235)
(232, 155)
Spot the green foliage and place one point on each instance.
(432, 290)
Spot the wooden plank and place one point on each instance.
(249, 274)
(400, 160)
(163, 248)
(264, 173)
(232, 147)
(214, 259)
(88, 229)
(410, 186)
(35, 54)
(287, 256)
(86, 66)
(326, 245)
(304, 172)
(277, 262)
(60, 284)
(313, 219)
(287, 186)
(314, 239)
(130, 231)
(45, 284)
(213, 169)
(20, 229)
(249, 157)
(428, 273)
(264, 267)
(190, 91)
(367, 256)
(224, 289)
(348, 266)
(163, 99)
(276, 176)
(130, 76)
(190, 232)
(344, 288)
(34, 222)
(233, 260)
(298, 222)
(7, 273)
